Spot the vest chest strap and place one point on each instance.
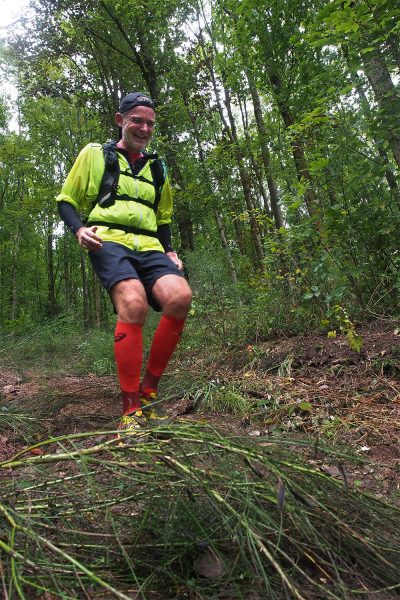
(126, 228)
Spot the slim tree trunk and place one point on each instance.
(14, 270)
(266, 158)
(244, 178)
(85, 292)
(209, 188)
(96, 299)
(230, 129)
(239, 237)
(300, 161)
(259, 183)
(51, 290)
(66, 263)
(222, 235)
(272, 187)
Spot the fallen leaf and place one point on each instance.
(255, 433)
(331, 470)
(365, 449)
(210, 565)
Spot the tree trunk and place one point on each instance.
(387, 97)
(244, 178)
(239, 237)
(209, 188)
(300, 161)
(229, 259)
(85, 292)
(66, 270)
(390, 177)
(14, 270)
(230, 129)
(259, 183)
(266, 158)
(182, 209)
(51, 290)
(96, 299)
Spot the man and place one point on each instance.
(129, 243)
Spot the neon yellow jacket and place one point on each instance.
(82, 187)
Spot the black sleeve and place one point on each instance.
(68, 214)
(164, 235)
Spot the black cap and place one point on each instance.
(135, 99)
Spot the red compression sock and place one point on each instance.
(165, 340)
(128, 349)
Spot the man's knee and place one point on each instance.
(178, 301)
(186, 297)
(133, 309)
(130, 301)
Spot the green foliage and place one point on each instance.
(61, 346)
(225, 399)
(217, 300)
(338, 318)
(333, 426)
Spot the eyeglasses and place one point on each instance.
(140, 121)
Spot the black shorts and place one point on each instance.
(114, 262)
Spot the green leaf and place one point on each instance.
(305, 406)
(319, 165)
(366, 50)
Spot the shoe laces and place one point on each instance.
(132, 417)
(147, 398)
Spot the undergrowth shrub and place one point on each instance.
(59, 345)
(217, 301)
(260, 304)
(226, 399)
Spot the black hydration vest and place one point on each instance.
(108, 191)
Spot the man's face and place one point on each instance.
(137, 127)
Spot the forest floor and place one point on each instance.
(293, 386)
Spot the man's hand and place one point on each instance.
(88, 239)
(177, 261)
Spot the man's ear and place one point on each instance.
(118, 119)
